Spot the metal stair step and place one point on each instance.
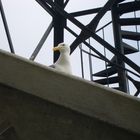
(136, 84)
(113, 60)
(119, 1)
(129, 49)
(130, 35)
(110, 80)
(107, 72)
(129, 7)
(129, 21)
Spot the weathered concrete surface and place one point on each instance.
(36, 119)
(88, 98)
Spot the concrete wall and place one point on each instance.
(36, 119)
(44, 104)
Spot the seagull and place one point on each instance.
(63, 63)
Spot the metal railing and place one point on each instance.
(107, 61)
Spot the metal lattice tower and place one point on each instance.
(115, 69)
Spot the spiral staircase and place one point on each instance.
(118, 10)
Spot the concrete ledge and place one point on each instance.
(72, 92)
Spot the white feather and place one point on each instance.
(63, 63)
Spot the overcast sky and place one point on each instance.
(27, 22)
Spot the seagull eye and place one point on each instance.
(63, 44)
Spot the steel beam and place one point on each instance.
(40, 44)
(118, 45)
(86, 12)
(46, 7)
(59, 24)
(93, 35)
(66, 2)
(6, 28)
(136, 84)
(93, 24)
(101, 56)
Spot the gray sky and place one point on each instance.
(27, 22)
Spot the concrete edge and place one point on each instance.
(78, 106)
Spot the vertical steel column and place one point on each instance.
(6, 28)
(59, 24)
(118, 45)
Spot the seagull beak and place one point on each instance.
(56, 48)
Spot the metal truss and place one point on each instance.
(56, 9)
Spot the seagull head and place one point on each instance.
(62, 47)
